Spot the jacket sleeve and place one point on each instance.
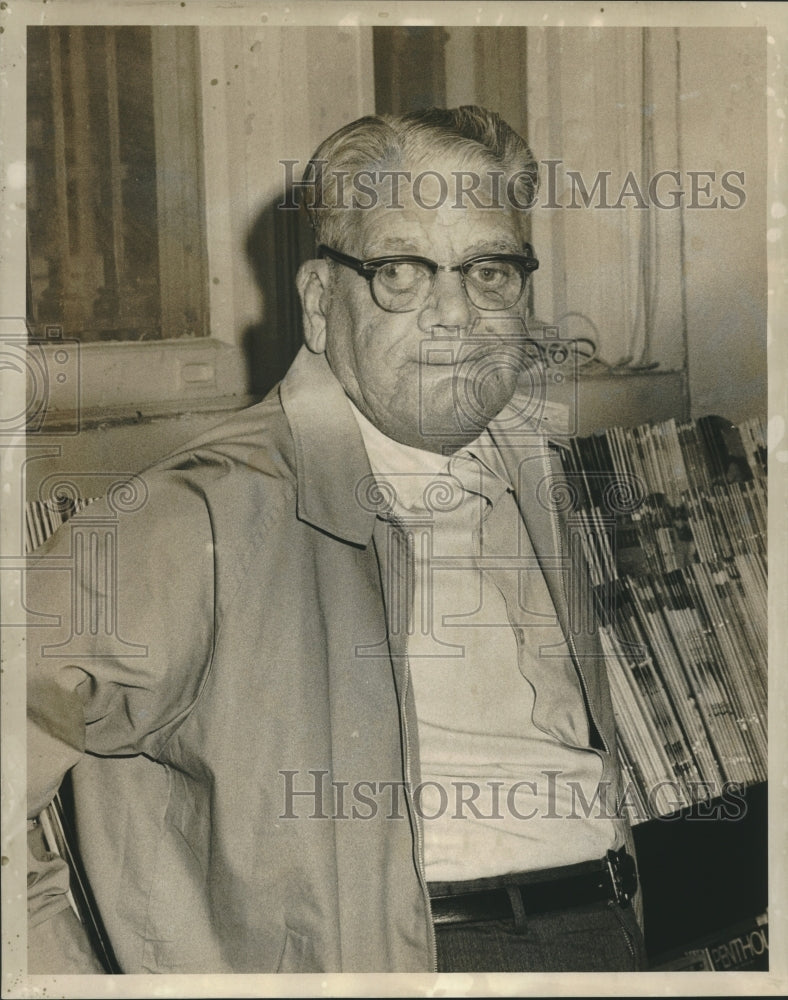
(120, 606)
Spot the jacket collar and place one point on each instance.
(331, 461)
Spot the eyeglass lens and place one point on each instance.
(404, 285)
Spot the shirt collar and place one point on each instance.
(387, 456)
(406, 469)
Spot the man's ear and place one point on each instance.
(312, 283)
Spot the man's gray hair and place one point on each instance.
(474, 136)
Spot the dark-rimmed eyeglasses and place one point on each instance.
(403, 283)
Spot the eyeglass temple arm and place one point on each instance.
(343, 258)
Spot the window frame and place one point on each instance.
(127, 378)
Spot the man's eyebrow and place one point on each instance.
(493, 246)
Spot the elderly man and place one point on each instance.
(346, 721)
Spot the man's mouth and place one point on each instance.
(435, 355)
(440, 358)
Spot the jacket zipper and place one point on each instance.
(417, 827)
(415, 822)
(626, 935)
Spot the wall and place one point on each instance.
(723, 127)
(680, 284)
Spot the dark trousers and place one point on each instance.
(601, 937)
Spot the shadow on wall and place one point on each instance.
(279, 240)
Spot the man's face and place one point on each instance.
(432, 378)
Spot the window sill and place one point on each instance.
(72, 385)
(100, 418)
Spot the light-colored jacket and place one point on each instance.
(241, 651)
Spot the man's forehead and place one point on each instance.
(425, 201)
(443, 178)
(419, 229)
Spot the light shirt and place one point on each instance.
(497, 795)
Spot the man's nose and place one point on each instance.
(447, 305)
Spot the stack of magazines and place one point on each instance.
(671, 518)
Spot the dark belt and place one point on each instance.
(613, 878)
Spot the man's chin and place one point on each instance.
(480, 395)
(450, 427)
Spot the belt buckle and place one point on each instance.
(623, 877)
